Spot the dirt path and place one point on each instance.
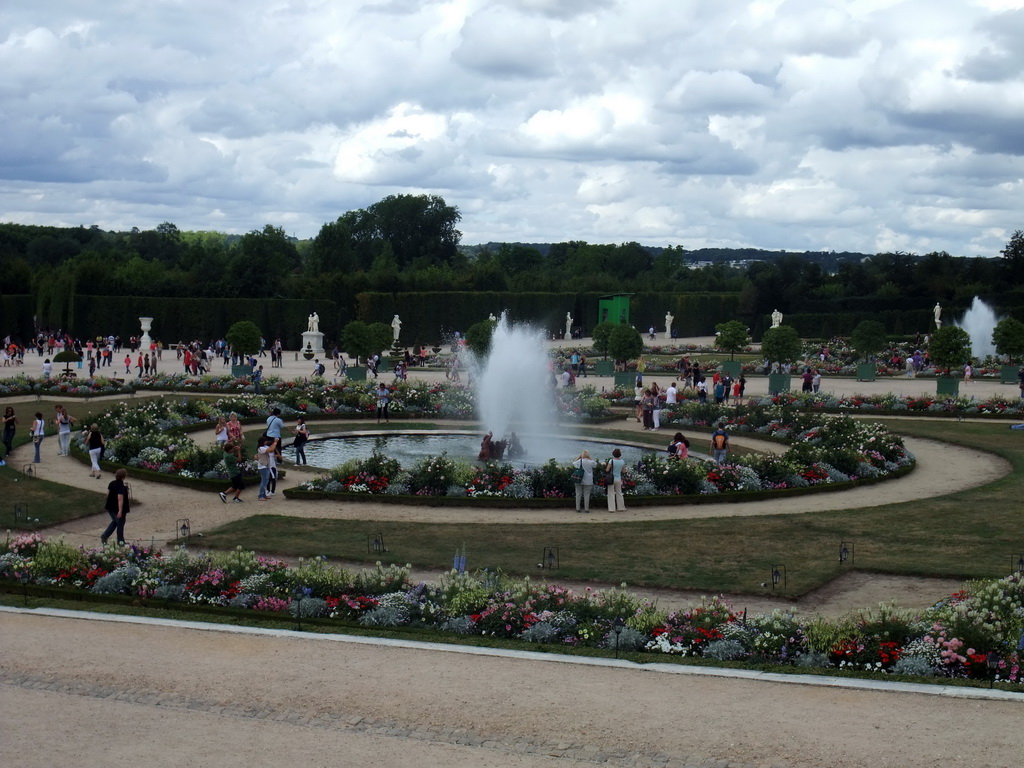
(160, 696)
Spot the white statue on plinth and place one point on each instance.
(492, 318)
(568, 325)
(938, 315)
(776, 318)
(314, 323)
(396, 327)
(668, 325)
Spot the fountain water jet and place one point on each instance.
(979, 322)
(513, 386)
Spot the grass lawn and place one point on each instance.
(50, 502)
(970, 534)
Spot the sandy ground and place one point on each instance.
(171, 696)
(167, 696)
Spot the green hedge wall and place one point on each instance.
(427, 317)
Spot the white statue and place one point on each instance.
(938, 315)
(492, 318)
(776, 318)
(314, 323)
(568, 325)
(668, 325)
(396, 327)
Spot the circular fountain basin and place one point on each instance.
(409, 448)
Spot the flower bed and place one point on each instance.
(826, 451)
(952, 639)
(878, 404)
(153, 436)
(77, 387)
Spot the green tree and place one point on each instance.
(244, 337)
(868, 338)
(478, 337)
(949, 347)
(732, 337)
(1013, 256)
(357, 340)
(625, 342)
(415, 226)
(262, 261)
(601, 334)
(381, 335)
(781, 344)
(1008, 336)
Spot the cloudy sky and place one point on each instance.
(865, 125)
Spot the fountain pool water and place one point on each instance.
(979, 321)
(411, 448)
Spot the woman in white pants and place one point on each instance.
(615, 465)
(95, 449)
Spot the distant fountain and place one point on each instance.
(979, 321)
(512, 386)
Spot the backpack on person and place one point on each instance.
(719, 441)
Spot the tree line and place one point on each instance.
(410, 243)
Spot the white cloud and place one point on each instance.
(860, 124)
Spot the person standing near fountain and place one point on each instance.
(614, 467)
(383, 400)
(583, 478)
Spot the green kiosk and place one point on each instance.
(611, 309)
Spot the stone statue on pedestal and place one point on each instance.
(396, 328)
(668, 325)
(776, 318)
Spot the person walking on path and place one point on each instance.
(301, 438)
(10, 422)
(96, 444)
(117, 506)
(583, 478)
(719, 443)
(63, 421)
(38, 433)
(615, 464)
(265, 447)
(232, 461)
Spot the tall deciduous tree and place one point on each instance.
(1013, 255)
(416, 227)
(262, 261)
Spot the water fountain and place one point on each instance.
(979, 321)
(514, 391)
(512, 386)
